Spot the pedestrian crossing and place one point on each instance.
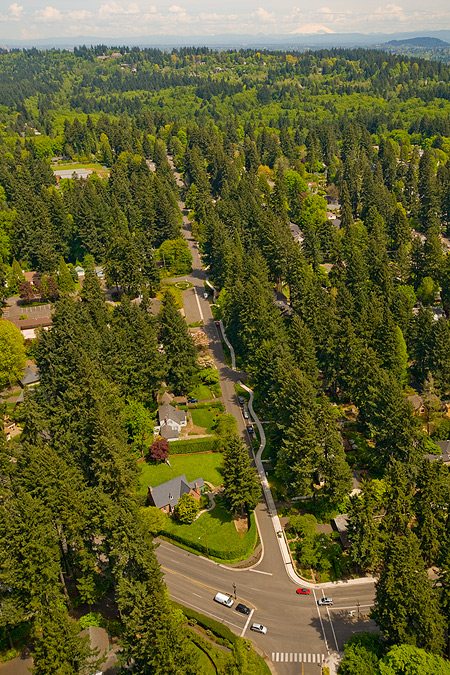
(297, 657)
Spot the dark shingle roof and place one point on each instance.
(170, 492)
(167, 411)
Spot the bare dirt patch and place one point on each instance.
(241, 524)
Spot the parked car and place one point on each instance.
(258, 628)
(303, 591)
(241, 400)
(243, 609)
(192, 400)
(250, 429)
(325, 601)
(245, 414)
(205, 295)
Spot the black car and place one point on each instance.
(241, 400)
(243, 609)
(250, 429)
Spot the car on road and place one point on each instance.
(224, 599)
(241, 400)
(250, 429)
(243, 609)
(303, 591)
(324, 601)
(258, 628)
(245, 414)
(192, 400)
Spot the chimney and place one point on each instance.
(197, 489)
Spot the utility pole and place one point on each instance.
(358, 605)
(234, 589)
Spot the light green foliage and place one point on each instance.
(187, 508)
(66, 283)
(153, 519)
(139, 421)
(410, 660)
(12, 350)
(361, 655)
(175, 257)
(427, 290)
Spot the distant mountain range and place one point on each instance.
(430, 42)
(312, 36)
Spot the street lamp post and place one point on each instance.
(234, 589)
(206, 541)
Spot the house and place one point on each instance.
(419, 406)
(341, 525)
(170, 421)
(296, 232)
(30, 377)
(444, 456)
(166, 496)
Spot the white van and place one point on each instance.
(224, 599)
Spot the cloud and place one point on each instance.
(15, 11)
(391, 11)
(48, 14)
(111, 8)
(79, 15)
(263, 15)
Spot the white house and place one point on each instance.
(170, 421)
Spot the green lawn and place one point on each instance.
(202, 417)
(202, 465)
(215, 534)
(201, 392)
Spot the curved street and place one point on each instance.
(301, 636)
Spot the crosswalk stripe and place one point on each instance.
(297, 657)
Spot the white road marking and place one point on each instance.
(332, 628)
(269, 574)
(321, 622)
(296, 657)
(197, 595)
(202, 610)
(247, 622)
(333, 609)
(198, 303)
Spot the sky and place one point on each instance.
(36, 19)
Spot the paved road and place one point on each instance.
(299, 634)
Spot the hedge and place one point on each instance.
(210, 444)
(235, 554)
(205, 404)
(206, 622)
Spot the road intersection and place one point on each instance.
(301, 636)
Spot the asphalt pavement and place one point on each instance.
(301, 636)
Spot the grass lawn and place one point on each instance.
(76, 165)
(202, 417)
(201, 465)
(215, 534)
(201, 392)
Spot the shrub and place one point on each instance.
(90, 619)
(187, 509)
(218, 629)
(205, 404)
(159, 450)
(199, 445)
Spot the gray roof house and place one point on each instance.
(170, 421)
(445, 453)
(31, 376)
(167, 495)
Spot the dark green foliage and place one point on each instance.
(406, 605)
(241, 488)
(193, 446)
(179, 349)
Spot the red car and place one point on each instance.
(303, 591)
